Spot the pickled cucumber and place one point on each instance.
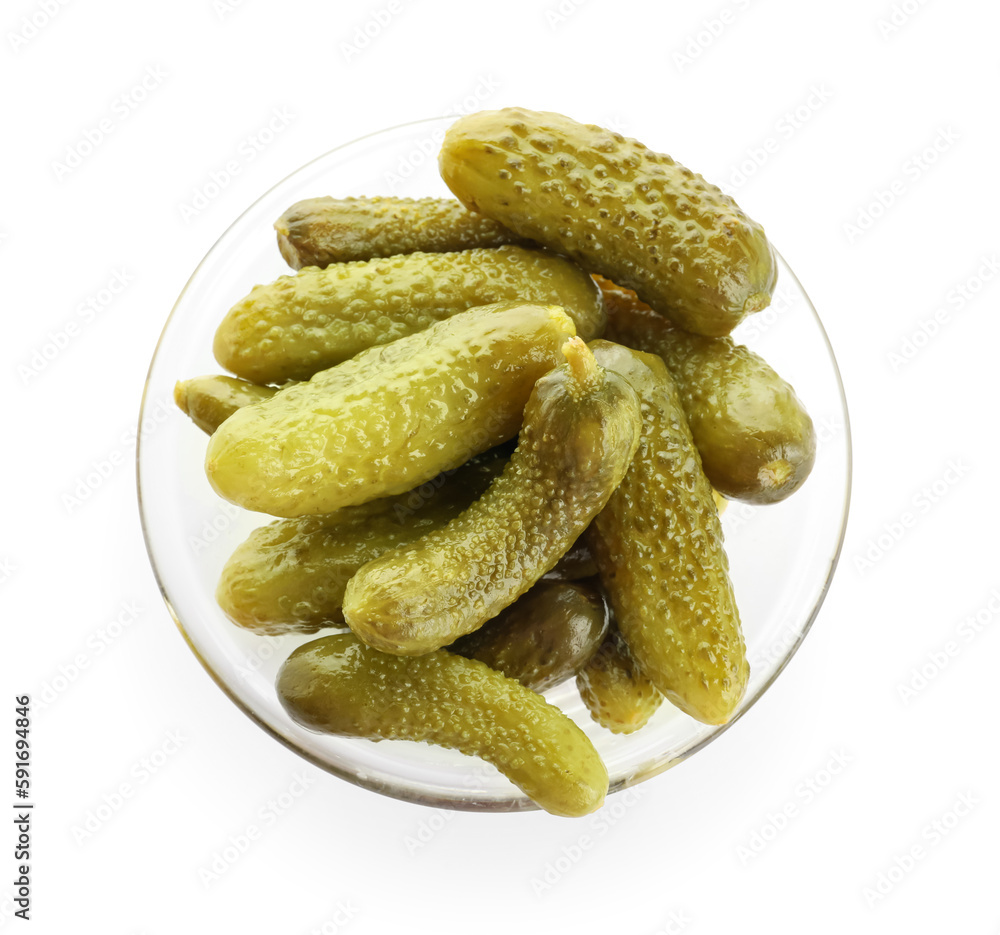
(321, 231)
(210, 400)
(290, 576)
(615, 690)
(756, 440)
(302, 324)
(338, 685)
(544, 637)
(580, 431)
(577, 563)
(658, 545)
(618, 209)
(391, 418)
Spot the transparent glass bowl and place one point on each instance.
(782, 556)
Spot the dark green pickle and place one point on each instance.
(615, 690)
(338, 685)
(290, 576)
(580, 430)
(658, 545)
(756, 440)
(544, 637)
(617, 208)
(322, 231)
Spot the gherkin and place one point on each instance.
(289, 576)
(210, 400)
(391, 418)
(756, 440)
(321, 231)
(615, 690)
(618, 209)
(658, 545)
(301, 324)
(544, 637)
(338, 685)
(581, 427)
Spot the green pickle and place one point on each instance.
(321, 231)
(617, 693)
(658, 545)
(391, 418)
(338, 685)
(299, 325)
(289, 576)
(580, 431)
(544, 637)
(617, 208)
(210, 400)
(756, 440)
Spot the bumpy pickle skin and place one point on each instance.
(290, 576)
(210, 400)
(580, 432)
(391, 418)
(338, 685)
(321, 231)
(299, 325)
(617, 208)
(613, 687)
(756, 440)
(544, 637)
(658, 545)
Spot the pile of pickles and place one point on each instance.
(497, 432)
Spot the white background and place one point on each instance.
(701, 850)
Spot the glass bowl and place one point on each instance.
(782, 556)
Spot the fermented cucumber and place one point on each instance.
(321, 231)
(338, 685)
(299, 325)
(658, 546)
(617, 208)
(580, 431)
(391, 418)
